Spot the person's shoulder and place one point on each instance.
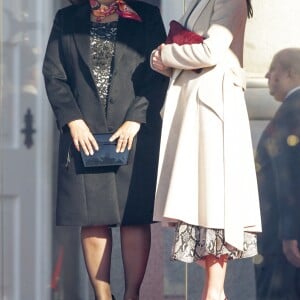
(291, 104)
(67, 9)
(143, 7)
(231, 5)
(295, 95)
(140, 4)
(72, 9)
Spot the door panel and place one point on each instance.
(10, 247)
(25, 198)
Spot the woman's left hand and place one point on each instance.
(125, 135)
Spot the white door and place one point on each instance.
(25, 178)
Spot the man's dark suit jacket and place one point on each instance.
(278, 174)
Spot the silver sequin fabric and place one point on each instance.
(103, 37)
(193, 243)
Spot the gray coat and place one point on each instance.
(107, 195)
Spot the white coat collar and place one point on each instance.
(191, 15)
(193, 12)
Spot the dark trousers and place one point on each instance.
(277, 279)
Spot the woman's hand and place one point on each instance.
(157, 63)
(125, 135)
(82, 137)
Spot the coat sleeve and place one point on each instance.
(228, 16)
(57, 86)
(149, 86)
(287, 175)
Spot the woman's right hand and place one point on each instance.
(157, 64)
(82, 137)
(292, 252)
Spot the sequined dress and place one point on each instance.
(103, 37)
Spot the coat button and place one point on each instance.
(112, 101)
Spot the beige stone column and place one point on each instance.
(274, 26)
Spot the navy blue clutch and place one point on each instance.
(106, 155)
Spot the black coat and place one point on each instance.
(278, 175)
(107, 195)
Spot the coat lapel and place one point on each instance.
(121, 42)
(189, 18)
(193, 12)
(82, 27)
(197, 12)
(188, 11)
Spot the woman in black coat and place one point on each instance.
(98, 80)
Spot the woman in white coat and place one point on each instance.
(206, 178)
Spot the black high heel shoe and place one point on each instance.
(112, 297)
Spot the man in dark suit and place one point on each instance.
(278, 174)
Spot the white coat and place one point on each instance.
(206, 170)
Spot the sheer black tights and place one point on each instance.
(135, 243)
(97, 247)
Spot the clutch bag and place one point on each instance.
(106, 155)
(180, 35)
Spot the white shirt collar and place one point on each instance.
(292, 91)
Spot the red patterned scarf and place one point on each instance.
(119, 6)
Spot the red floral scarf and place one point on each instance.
(119, 6)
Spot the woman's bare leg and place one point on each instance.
(135, 243)
(97, 246)
(215, 271)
